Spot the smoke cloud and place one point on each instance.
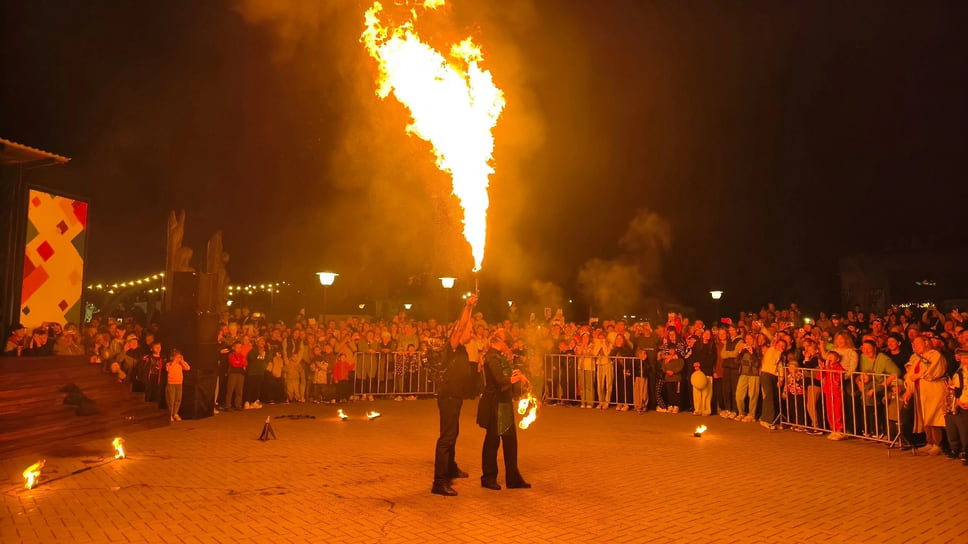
(616, 287)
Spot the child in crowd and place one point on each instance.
(672, 365)
(320, 373)
(343, 375)
(793, 406)
(292, 372)
(831, 379)
(173, 391)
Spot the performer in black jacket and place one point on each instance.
(495, 413)
(455, 382)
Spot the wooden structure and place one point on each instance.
(35, 420)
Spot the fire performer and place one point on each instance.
(495, 413)
(456, 381)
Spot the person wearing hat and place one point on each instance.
(124, 361)
(956, 420)
(15, 342)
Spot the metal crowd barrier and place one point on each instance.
(576, 379)
(392, 374)
(860, 405)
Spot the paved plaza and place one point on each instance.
(597, 476)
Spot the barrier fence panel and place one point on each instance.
(601, 382)
(852, 404)
(395, 374)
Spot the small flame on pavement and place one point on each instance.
(373, 415)
(118, 448)
(32, 474)
(342, 415)
(699, 430)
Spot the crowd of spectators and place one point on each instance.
(842, 371)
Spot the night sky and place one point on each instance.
(758, 142)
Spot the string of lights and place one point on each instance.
(113, 287)
(147, 281)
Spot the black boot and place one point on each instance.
(443, 488)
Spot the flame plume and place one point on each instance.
(454, 104)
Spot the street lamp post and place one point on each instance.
(447, 283)
(326, 279)
(717, 294)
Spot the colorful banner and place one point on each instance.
(53, 259)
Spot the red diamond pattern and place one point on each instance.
(45, 251)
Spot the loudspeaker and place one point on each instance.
(184, 291)
(198, 395)
(207, 298)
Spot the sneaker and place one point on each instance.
(370, 397)
(737, 417)
(171, 420)
(660, 409)
(697, 413)
(674, 410)
(398, 398)
(767, 426)
(727, 414)
(177, 417)
(748, 419)
(412, 397)
(933, 449)
(257, 404)
(835, 436)
(814, 432)
(247, 406)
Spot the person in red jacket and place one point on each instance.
(236, 381)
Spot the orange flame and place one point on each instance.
(454, 104)
(373, 415)
(118, 444)
(32, 474)
(530, 405)
(342, 415)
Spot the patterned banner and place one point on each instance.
(53, 260)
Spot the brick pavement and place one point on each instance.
(616, 477)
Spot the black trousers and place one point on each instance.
(509, 442)
(730, 382)
(444, 465)
(252, 390)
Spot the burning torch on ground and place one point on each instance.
(32, 474)
(118, 448)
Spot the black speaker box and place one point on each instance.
(198, 395)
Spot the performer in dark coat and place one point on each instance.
(495, 414)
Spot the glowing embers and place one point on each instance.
(342, 415)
